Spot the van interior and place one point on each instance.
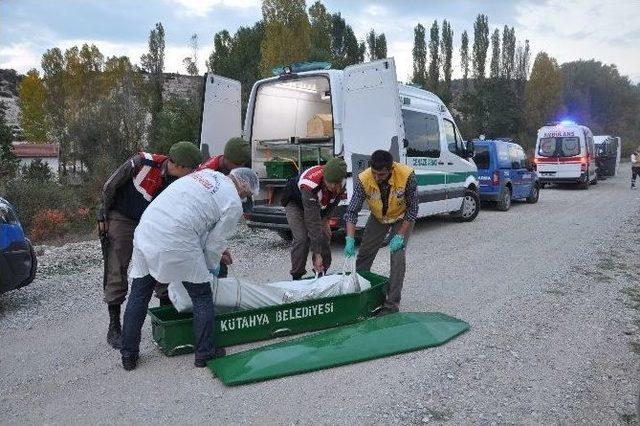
(292, 129)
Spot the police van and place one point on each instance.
(308, 113)
(565, 153)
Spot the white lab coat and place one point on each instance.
(184, 231)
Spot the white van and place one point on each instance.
(367, 109)
(565, 153)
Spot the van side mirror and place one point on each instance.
(471, 149)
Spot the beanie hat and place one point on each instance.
(237, 151)
(185, 154)
(335, 170)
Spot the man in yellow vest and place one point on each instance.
(391, 191)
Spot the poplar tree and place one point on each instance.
(32, 97)
(480, 46)
(494, 70)
(434, 62)
(419, 57)
(446, 49)
(464, 58)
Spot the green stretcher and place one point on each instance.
(370, 339)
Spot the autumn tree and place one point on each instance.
(434, 58)
(286, 33)
(419, 57)
(543, 93)
(446, 52)
(221, 60)
(32, 97)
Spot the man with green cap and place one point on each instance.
(237, 153)
(309, 199)
(125, 196)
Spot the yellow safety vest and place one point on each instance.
(397, 202)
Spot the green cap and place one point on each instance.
(335, 170)
(185, 154)
(238, 151)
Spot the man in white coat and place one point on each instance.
(181, 238)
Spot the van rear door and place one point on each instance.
(221, 109)
(371, 113)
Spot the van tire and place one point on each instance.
(504, 201)
(585, 184)
(535, 194)
(472, 199)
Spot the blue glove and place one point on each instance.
(397, 243)
(350, 247)
(215, 271)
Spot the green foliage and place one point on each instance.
(191, 62)
(480, 46)
(178, 121)
(507, 61)
(8, 161)
(494, 70)
(446, 50)
(153, 63)
(376, 46)
(286, 33)
(37, 170)
(320, 20)
(464, 58)
(419, 57)
(434, 61)
(345, 49)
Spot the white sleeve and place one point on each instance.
(216, 241)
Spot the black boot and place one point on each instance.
(115, 329)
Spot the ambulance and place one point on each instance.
(565, 153)
(359, 109)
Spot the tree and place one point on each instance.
(371, 45)
(246, 42)
(464, 58)
(179, 121)
(522, 58)
(543, 93)
(434, 62)
(56, 99)
(8, 161)
(320, 21)
(446, 49)
(191, 62)
(494, 71)
(153, 63)
(32, 97)
(419, 57)
(37, 170)
(508, 52)
(221, 60)
(345, 49)
(286, 33)
(381, 47)
(480, 46)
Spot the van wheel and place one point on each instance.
(535, 194)
(470, 207)
(504, 202)
(585, 184)
(285, 234)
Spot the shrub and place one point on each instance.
(48, 224)
(37, 170)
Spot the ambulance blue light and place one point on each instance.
(568, 123)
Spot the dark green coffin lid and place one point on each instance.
(370, 339)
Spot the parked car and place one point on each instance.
(18, 261)
(505, 173)
(363, 109)
(608, 152)
(565, 153)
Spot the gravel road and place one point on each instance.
(543, 287)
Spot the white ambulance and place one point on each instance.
(366, 109)
(565, 153)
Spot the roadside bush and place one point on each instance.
(37, 170)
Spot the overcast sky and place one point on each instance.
(566, 29)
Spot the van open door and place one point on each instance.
(372, 117)
(221, 109)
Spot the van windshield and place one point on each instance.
(559, 147)
(481, 157)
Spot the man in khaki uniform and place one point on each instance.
(125, 196)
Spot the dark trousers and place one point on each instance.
(120, 234)
(635, 171)
(136, 311)
(374, 234)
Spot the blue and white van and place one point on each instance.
(18, 262)
(505, 173)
